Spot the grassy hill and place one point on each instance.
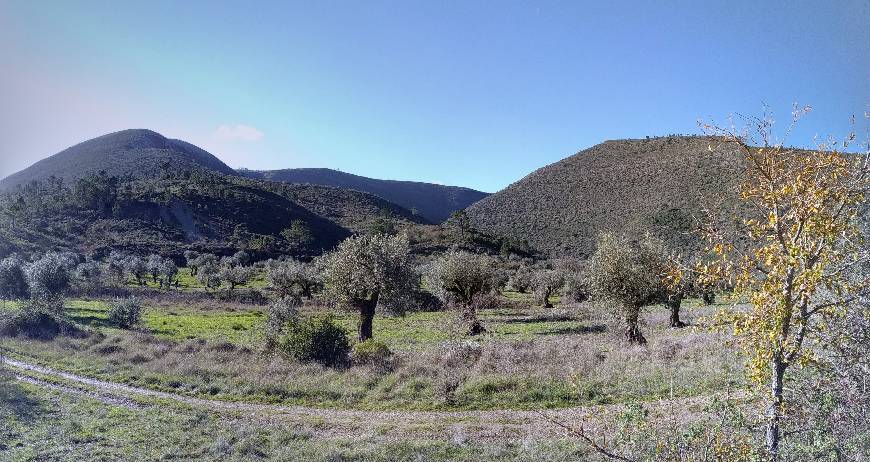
(432, 201)
(658, 185)
(137, 153)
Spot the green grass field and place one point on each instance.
(529, 358)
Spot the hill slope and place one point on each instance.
(355, 210)
(138, 153)
(203, 211)
(434, 202)
(627, 186)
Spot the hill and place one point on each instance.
(137, 153)
(355, 210)
(434, 202)
(199, 211)
(659, 185)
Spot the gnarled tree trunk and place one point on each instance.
(632, 332)
(547, 303)
(366, 317)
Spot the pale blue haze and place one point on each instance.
(470, 93)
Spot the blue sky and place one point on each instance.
(468, 92)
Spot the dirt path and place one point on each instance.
(502, 425)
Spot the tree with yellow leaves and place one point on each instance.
(794, 267)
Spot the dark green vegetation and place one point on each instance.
(658, 185)
(432, 201)
(168, 214)
(357, 211)
(136, 153)
(136, 191)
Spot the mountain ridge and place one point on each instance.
(434, 202)
(132, 152)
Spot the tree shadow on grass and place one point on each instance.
(593, 329)
(90, 317)
(539, 319)
(15, 400)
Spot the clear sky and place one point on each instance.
(466, 92)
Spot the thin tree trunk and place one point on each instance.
(674, 302)
(366, 318)
(774, 409)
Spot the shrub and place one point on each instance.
(373, 353)
(39, 318)
(244, 296)
(455, 361)
(317, 339)
(13, 283)
(125, 312)
(281, 312)
(49, 276)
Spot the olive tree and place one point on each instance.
(138, 268)
(362, 270)
(293, 278)
(209, 274)
(13, 282)
(521, 280)
(460, 277)
(190, 259)
(546, 283)
(235, 275)
(88, 276)
(625, 276)
(201, 260)
(168, 271)
(116, 267)
(155, 264)
(49, 276)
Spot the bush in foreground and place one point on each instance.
(373, 353)
(125, 312)
(317, 339)
(39, 318)
(13, 283)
